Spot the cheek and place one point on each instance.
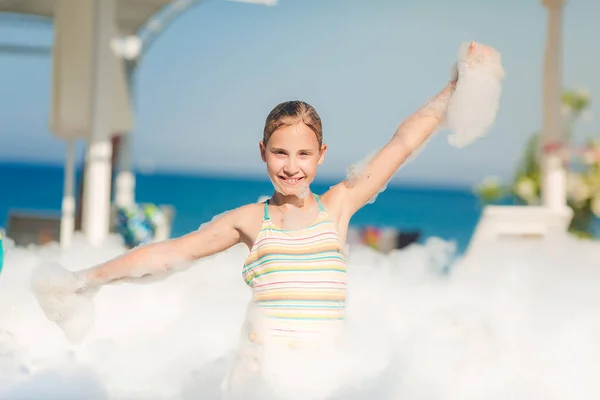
(274, 164)
(309, 166)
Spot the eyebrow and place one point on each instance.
(284, 150)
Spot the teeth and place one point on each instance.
(291, 180)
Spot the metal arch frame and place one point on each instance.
(172, 13)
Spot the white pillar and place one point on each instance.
(125, 180)
(96, 196)
(67, 221)
(554, 177)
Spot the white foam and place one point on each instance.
(57, 291)
(302, 192)
(295, 218)
(356, 172)
(473, 107)
(521, 322)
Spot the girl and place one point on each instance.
(296, 267)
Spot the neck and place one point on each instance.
(280, 199)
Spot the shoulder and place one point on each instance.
(247, 220)
(243, 215)
(237, 215)
(250, 210)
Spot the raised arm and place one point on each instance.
(356, 191)
(220, 234)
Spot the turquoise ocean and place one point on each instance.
(448, 213)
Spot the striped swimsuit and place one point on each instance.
(298, 280)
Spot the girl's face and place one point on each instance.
(292, 155)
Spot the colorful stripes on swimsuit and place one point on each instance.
(298, 277)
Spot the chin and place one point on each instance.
(288, 191)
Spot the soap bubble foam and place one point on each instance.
(519, 320)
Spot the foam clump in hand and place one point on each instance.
(473, 107)
(61, 295)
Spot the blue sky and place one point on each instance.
(207, 84)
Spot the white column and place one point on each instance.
(96, 196)
(554, 177)
(67, 221)
(125, 180)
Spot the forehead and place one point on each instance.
(294, 135)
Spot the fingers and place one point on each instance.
(472, 46)
(477, 53)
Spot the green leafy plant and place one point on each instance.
(583, 172)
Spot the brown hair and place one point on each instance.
(289, 112)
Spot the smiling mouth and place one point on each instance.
(290, 181)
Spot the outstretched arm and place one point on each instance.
(64, 296)
(219, 235)
(356, 191)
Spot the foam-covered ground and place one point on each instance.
(520, 321)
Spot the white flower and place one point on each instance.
(526, 190)
(577, 189)
(566, 110)
(583, 93)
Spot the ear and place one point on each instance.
(263, 150)
(322, 155)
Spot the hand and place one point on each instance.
(478, 55)
(60, 294)
(474, 104)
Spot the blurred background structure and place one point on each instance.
(96, 49)
(211, 74)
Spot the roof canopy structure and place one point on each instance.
(131, 15)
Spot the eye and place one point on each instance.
(305, 153)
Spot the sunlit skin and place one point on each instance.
(292, 155)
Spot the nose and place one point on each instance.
(291, 167)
